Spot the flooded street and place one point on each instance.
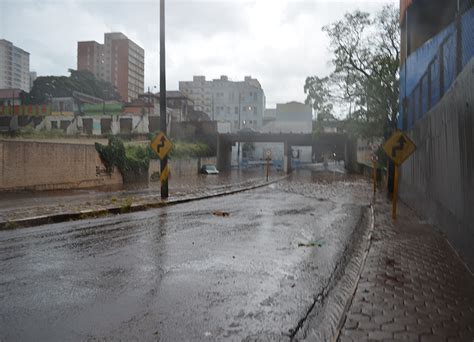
(187, 272)
(20, 204)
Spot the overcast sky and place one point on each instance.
(276, 41)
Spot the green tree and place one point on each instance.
(319, 97)
(365, 78)
(63, 86)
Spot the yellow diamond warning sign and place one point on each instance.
(399, 147)
(161, 145)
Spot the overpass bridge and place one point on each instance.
(225, 142)
(324, 142)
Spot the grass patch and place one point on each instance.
(126, 205)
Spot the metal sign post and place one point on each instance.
(269, 157)
(398, 147)
(374, 160)
(374, 172)
(164, 170)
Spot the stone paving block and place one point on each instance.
(381, 319)
(345, 338)
(421, 287)
(393, 327)
(406, 336)
(351, 324)
(358, 317)
(369, 325)
(419, 328)
(404, 320)
(432, 338)
(380, 335)
(356, 334)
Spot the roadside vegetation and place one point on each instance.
(364, 83)
(133, 160)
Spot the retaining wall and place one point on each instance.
(438, 180)
(27, 165)
(182, 167)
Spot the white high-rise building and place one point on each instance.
(14, 67)
(239, 103)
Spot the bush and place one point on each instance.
(131, 161)
(183, 150)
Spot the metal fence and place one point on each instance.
(454, 52)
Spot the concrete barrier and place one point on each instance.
(181, 167)
(36, 165)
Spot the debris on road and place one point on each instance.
(220, 213)
(317, 243)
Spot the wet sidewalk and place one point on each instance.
(24, 205)
(413, 286)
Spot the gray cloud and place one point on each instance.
(279, 42)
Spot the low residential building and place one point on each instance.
(10, 97)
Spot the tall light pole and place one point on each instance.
(238, 142)
(164, 161)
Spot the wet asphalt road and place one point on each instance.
(179, 273)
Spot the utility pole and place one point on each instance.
(212, 102)
(164, 161)
(238, 142)
(149, 101)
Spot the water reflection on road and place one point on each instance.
(180, 273)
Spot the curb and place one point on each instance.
(326, 322)
(348, 304)
(115, 210)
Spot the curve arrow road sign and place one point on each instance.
(161, 145)
(399, 147)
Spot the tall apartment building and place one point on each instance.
(119, 61)
(227, 101)
(14, 67)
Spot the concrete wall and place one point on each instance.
(27, 165)
(301, 153)
(438, 180)
(182, 167)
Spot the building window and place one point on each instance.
(236, 110)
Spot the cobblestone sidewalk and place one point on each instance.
(413, 286)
